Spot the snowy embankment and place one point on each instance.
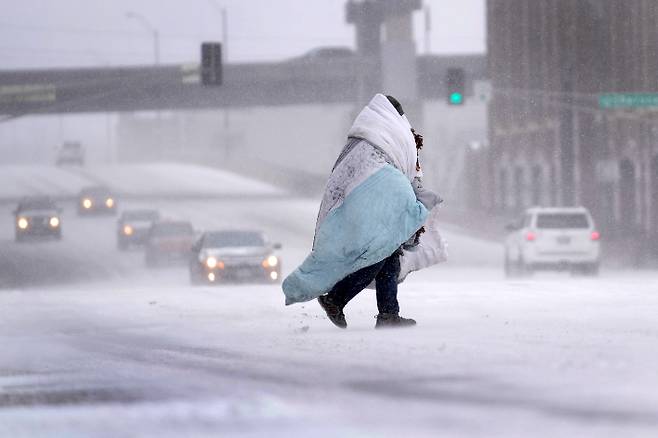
(18, 181)
(177, 180)
(137, 180)
(544, 357)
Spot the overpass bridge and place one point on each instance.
(299, 81)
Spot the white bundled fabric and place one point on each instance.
(381, 125)
(431, 249)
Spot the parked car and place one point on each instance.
(168, 242)
(133, 227)
(553, 239)
(330, 53)
(234, 256)
(37, 217)
(96, 200)
(71, 153)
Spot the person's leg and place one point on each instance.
(387, 295)
(346, 289)
(386, 283)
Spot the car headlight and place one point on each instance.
(211, 262)
(109, 202)
(86, 203)
(127, 230)
(23, 223)
(54, 222)
(270, 262)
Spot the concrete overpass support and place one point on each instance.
(399, 66)
(388, 65)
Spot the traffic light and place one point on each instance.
(455, 85)
(211, 64)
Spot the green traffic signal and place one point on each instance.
(456, 98)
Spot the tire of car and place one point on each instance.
(507, 267)
(121, 245)
(525, 269)
(514, 269)
(591, 270)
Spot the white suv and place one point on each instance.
(553, 238)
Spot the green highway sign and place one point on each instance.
(628, 100)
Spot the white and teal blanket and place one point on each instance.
(369, 207)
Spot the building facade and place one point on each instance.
(551, 143)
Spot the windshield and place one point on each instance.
(232, 239)
(141, 215)
(37, 204)
(172, 229)
(562, 220)
(96, 192)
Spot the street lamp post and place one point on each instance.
(227, 117)
(156, 53)
(224, 15)
(151, 29)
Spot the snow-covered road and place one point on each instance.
(93, 344)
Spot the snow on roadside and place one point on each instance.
(175, 179)
(165, 419)
(162, 179)
(17, 181)
(548, 356)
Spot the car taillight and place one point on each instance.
(530, 236)
(595, 235)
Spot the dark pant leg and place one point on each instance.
(350, 286)
(387, 285)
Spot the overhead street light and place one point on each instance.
(149, 28)
(224, 15)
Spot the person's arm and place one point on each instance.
(426, 197)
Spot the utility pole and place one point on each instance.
(225, 34)
(224, 16)
(428, 29)
(226, 114)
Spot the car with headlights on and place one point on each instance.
(558, 238)
(168, 242)
(96, 200)
(234, 256)
(133, 227)
(37, 217)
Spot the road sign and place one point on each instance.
(27, 93)
(628, 100)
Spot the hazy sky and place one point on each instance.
(48, 33)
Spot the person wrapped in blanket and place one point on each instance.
(376, 224)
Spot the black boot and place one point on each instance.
(334, 312)
(392, 320)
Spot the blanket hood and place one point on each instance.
(380, 124)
